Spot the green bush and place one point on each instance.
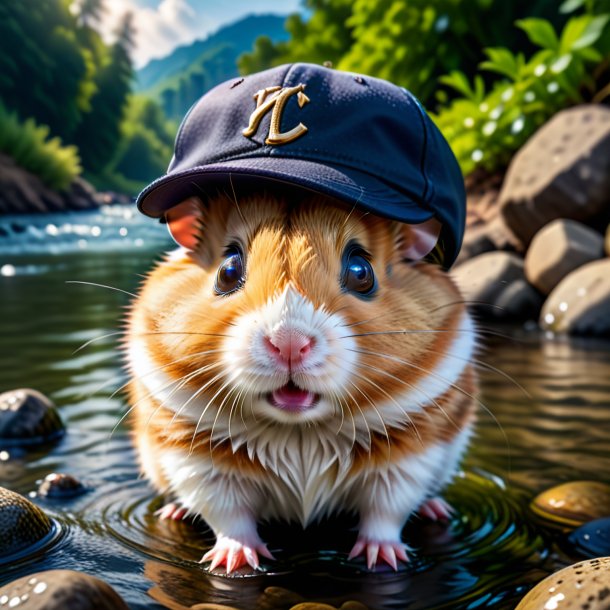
(486, 127)
(31, 148)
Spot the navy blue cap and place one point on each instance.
(360, 139)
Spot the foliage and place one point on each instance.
(31, 148)
(486, 126)
(146, 145)
(99, 131)
(409, 42)
(43, 71)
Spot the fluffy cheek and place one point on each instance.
(327, 371)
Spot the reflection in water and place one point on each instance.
(487, 557)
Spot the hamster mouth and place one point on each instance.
(292, 398)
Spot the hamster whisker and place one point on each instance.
(466, 302)
(381, 315)
(131, 294)
(410, 385)
(409, 331)
(484, 365)
(220, 408)
(450, 383)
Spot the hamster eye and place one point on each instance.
(230, 275)
(358, 275)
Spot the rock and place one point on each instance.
(61, 486)
(519, 301)
(492, 235)
(61, 590)
(574, 503)
(28, 417)
(22, 524)
(484, 279)
(559, 248)
(580, 303)
(563, 171)
(274, 598)
(592, 539)
(23, 192)
(584, 585)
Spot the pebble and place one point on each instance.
(28, 417)
(59, 485)
(582, 586)
(22, 523)
(60, 590)
(592, 539)
(572, 504)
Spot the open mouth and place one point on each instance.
(292, 398)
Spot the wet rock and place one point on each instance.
(580, 303)
(206, 606)
(61, 590)
(559, 248)
(22, 523)
(275, 598)
(58, 486)
(563, 171)
(484, 279)
(592, 539)
(574, 503)
(28, 417)
(584, 585)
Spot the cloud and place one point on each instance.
(159, 29)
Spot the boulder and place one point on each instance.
(486, 237)
(580, 303)
(559, 248)
(61, 590)
(494, 285)
(563, 171)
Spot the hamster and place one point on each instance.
(297, 357)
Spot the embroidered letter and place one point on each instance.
(276, 98)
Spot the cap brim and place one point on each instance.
(359, 188)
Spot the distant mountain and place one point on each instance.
(179, 79)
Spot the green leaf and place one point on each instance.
(459, 81)
(540, 32)
(569, 6)
(501, 60)
(582, 31)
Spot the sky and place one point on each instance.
(163, 25)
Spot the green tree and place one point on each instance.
(99, 132)
(43, 70)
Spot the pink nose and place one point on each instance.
(289, 346)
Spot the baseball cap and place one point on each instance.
(357, 138)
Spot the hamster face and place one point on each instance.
(296, 314)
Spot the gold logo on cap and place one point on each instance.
(276, 98)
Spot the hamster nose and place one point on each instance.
(289, 347)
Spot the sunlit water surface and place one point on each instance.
(487, 557)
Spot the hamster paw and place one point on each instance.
(436, 509)
(377, 551)
(233, 554)
(171, 511)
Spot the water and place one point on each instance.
(486, 558)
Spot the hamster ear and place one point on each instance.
(416, 241)
(184, 222)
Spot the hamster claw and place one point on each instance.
(171, 511)
(233, 554)
(436, 509)
(376, 552)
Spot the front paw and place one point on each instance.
(234, 554)
(388, 551)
